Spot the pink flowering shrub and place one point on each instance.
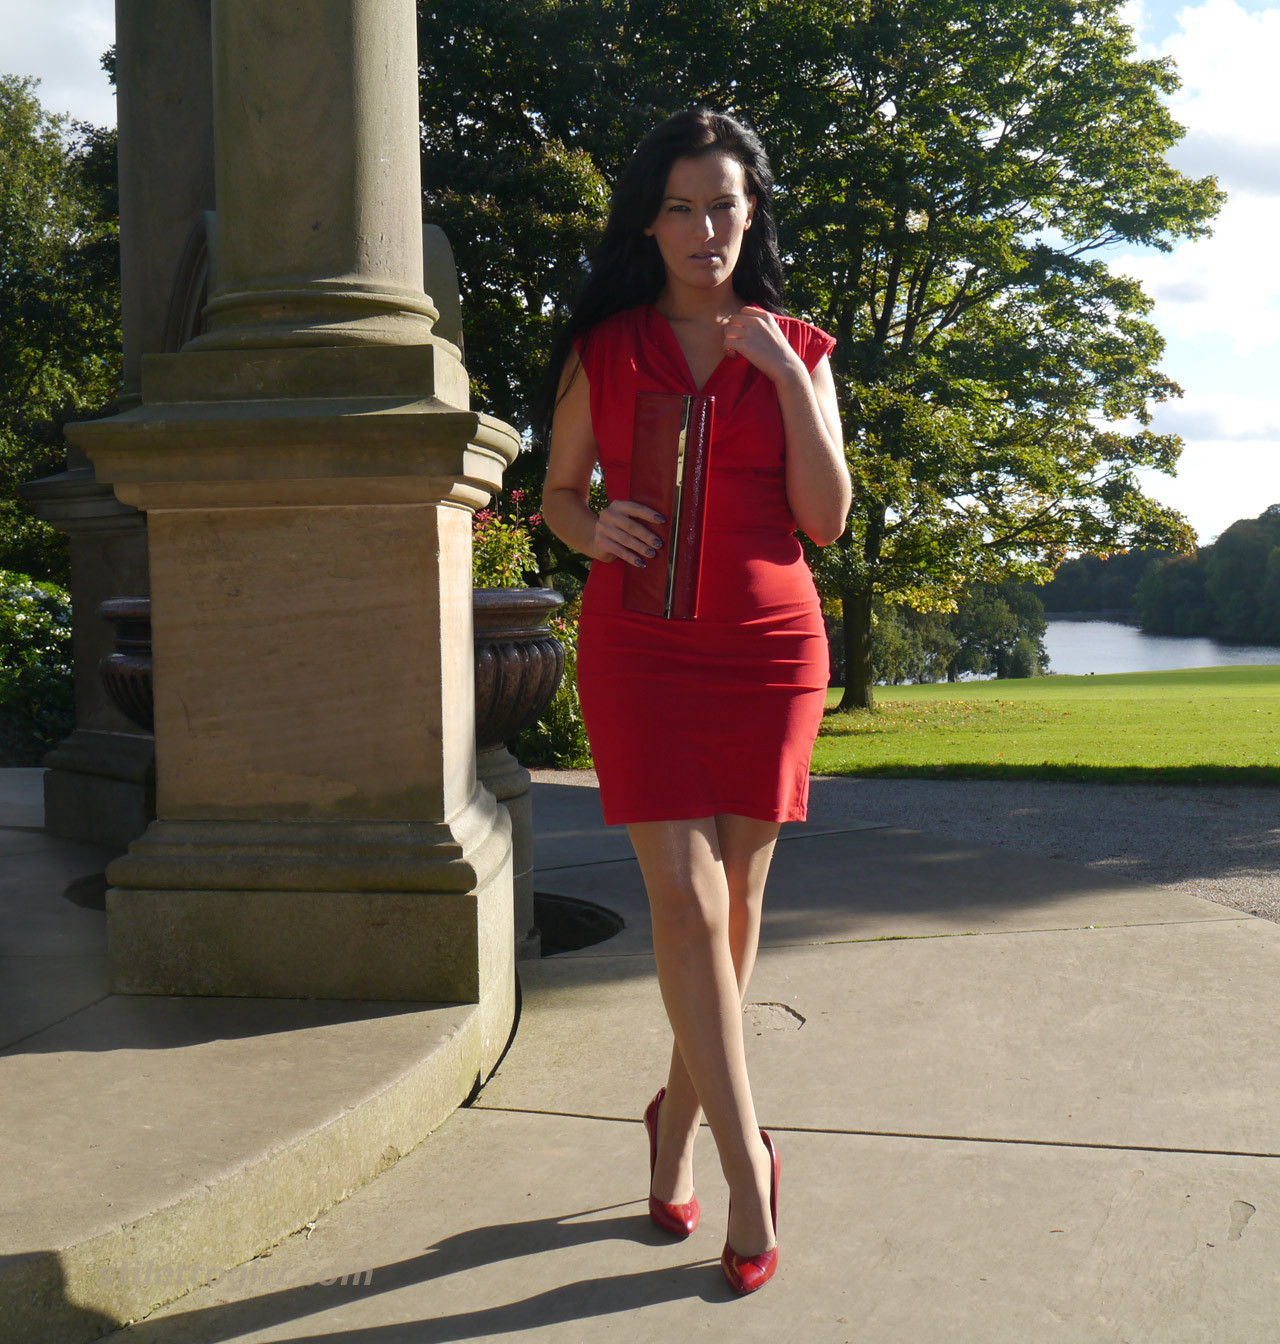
(502, 548)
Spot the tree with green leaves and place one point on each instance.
(1230, 589)
(999, 628)
(1096, 583)
(950, 177)
(1170, 598)
(59, 305)
(991, 154)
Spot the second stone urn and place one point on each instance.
(127, 672)
(519, 664)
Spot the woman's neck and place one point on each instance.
(684, 303)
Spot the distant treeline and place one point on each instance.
(1230, 590)
(1091, 583)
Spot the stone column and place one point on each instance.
(164, 109)
(99, 783)
(309, 467)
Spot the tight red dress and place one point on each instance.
(718, 714)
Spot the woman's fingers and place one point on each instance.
(624, 531)
(755, 336)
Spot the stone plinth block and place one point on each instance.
(311, 663)
(100, 788)
(400, 911)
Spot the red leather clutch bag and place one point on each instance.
(669, 471)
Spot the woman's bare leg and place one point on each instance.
(746, 850)
(690, 906)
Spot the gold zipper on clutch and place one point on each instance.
(675, 512)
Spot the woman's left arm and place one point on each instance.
(819, 491)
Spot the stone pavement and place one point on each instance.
(1015, 1100)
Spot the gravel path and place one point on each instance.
(1222, 844)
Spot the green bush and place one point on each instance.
(1027, 658)
(37, 691)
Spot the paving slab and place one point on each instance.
(998, 1124)
(36, 992)
(1155, 1036)
(37, 918)
(22, 796)
(53, 933)
(891, 882)
(508, 1227)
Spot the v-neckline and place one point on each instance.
(684, 359)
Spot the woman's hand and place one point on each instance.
(623, 532)
(755, 336)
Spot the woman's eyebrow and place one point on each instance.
(688, 200)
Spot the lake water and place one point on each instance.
(1079, 647)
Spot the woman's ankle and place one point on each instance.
(747, 1166)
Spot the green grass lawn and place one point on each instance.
(1202, 725)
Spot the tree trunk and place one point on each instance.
(859, 681)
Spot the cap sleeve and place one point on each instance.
(583, 344)
(809, 342)
(814, 345)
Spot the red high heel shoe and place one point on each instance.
(746, 1273)
(678, 1219)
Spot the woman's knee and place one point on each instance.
(746, 899)
(684, 911)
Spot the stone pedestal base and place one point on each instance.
(100, 788)
(404, 911)
(509, 781)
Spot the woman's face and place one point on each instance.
(703, 215)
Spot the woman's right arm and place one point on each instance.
(622, 530)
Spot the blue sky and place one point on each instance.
(1217, 300)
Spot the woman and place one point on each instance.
(701, 730)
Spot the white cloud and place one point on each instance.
(1239, 164)
(1220, 417)
(1136, 15)
(1222, 285)
(1230, 104)
(1218, 483)
(1226, 57)
(62, 45)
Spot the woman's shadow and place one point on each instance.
(579, 1300)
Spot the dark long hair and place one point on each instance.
(627, 269)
